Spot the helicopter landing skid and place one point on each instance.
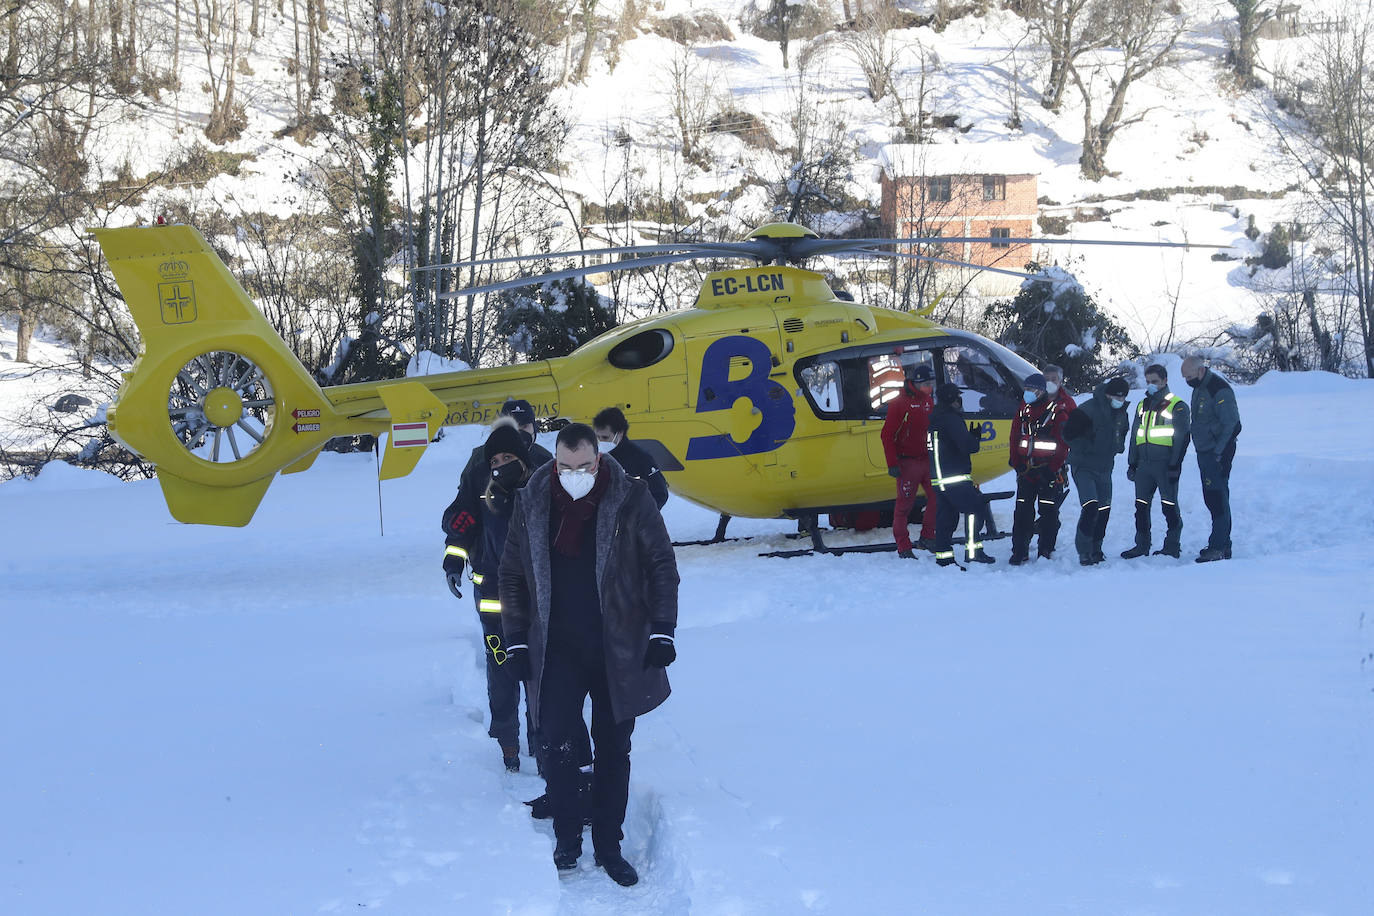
(866, 548)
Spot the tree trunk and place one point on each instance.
(130, 39)
(24, 333)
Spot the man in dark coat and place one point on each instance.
(1154, 461)
(1216, 426)
(1037, 452)
(589, 604)
(951, 444)
(904, 443)
(612, 431)
(1096, 434)
(474, 536)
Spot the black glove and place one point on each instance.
(893, 471)
(517, 663)
(453, 572)
(661, 652)
(1130, 472)
(1019, 467)
(975, 429)
(1174, 471)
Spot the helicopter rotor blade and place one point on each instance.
(627, 264)
(934, 260)
(813, 247)
(728, 248)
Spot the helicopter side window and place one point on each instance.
(859, 386)
(642, 350)
(885, 379)
(986, 386)
(822, 384)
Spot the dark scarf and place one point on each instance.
(572, 513)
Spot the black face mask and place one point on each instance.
(528, 437)
(1193, 382)
(507, 476)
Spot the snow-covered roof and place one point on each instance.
(995, 157)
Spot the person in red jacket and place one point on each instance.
(908, 459)
(1038, 452)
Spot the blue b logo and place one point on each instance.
(718, 392)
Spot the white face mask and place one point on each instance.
(577, 484)
(604, 447)
(1051, 388)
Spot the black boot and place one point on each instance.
(1018, 558)
(1136, 551)
(1211, 554)
(621, 872)
(566, 853)
(510, 756)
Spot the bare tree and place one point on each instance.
(1336, 154)
(587, 12)
(1251, 15)
(220, 41)
(1066, 28)
(1143, 34)
(691, 99)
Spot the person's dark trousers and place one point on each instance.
(503, 691)
(960, 498)
(571, 673)
(1215, 471)
(1034, 493)
(1148, 479)
(1095, 508)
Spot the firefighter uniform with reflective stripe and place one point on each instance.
(475, 528)
(1037, 453)
(1158, 442)
(950, 445)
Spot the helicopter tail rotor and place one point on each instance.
(215, 400)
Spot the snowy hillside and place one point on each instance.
(289, 718)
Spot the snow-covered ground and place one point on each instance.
(289, 718)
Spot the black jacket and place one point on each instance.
(636, 572)
(950, 444)
(637, 463)
(463, 519)
(1096, 432)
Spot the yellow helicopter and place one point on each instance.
(764, 400)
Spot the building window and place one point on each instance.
(994, 187)
(1001, 234)
(940, 188)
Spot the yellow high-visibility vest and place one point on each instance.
(1156, 427)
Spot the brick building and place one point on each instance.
(984, 189)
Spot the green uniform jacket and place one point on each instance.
(1215, 416)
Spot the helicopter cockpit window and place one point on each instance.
(641, 350)
(987, 386)
(822, 383)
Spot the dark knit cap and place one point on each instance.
(1034, 381)
(948, 393)
(520, 409)
(506, 437)
(1118, 387)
